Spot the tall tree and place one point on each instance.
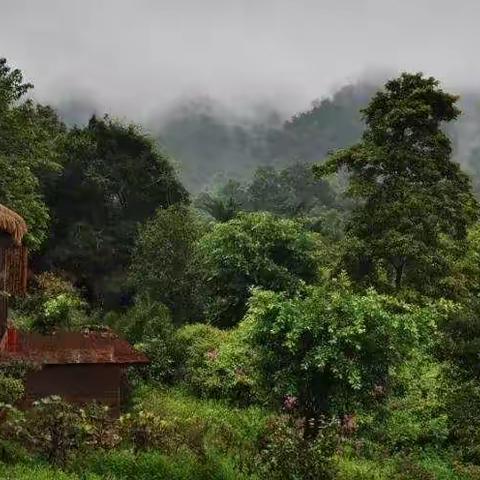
(113, 179)
(409, 192)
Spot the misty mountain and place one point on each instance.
(211, 143)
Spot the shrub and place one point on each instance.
(413, 415)
(286, 453)
(52, 303)
(463, 406)
(332, 347)
(148, 325)
(198, 342)
(218, 364)
(146, 431)
(52, 428)
(99, 428)
(11, 389)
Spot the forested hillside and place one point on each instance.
(307, 294)
(212, 143)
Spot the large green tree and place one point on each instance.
(113, 180)
(410, 194)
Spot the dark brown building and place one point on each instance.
(79, 366)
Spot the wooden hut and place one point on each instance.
(79, 366)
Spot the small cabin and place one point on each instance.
(81, 367)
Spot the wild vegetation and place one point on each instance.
(303, 323)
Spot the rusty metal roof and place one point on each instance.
(62, 348)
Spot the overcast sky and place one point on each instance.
(136, 56)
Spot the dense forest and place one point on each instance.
(307, 291)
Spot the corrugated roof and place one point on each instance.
(61, 348)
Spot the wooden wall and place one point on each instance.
(77, 383)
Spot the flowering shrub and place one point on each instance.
(332, 347)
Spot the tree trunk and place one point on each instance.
(399, 275)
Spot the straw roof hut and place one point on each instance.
(13, 224)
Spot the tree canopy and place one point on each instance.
(409, 192)
(255, 249)
(113, 179)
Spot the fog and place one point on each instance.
(136, 58)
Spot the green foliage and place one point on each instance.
(461, 339)
(428, 466)
(11, 389)
(463, 403)
(198, 342)
(409, 192)
(155, 465)
(217, 364)
(256, 249)
(412, 413)
(51, 429)
(30, 140)
(113, 179)
(287, 454)
(332, 347)
(53, 303)
(148, 431)
(228, 429)
(291, 191)
(31, 471)
(12, 377)
(148, 325)
(165, 264)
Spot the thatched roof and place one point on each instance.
(13, 224)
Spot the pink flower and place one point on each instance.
(290, 402)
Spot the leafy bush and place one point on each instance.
(11, 389)
(146, 431)
(148, 326)
(413, 414)
(217, 363)
(100, 430)
(463, 406)
(12, 377)
(52, 303)
(197, 343)
(332, 347)
(54, 429)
